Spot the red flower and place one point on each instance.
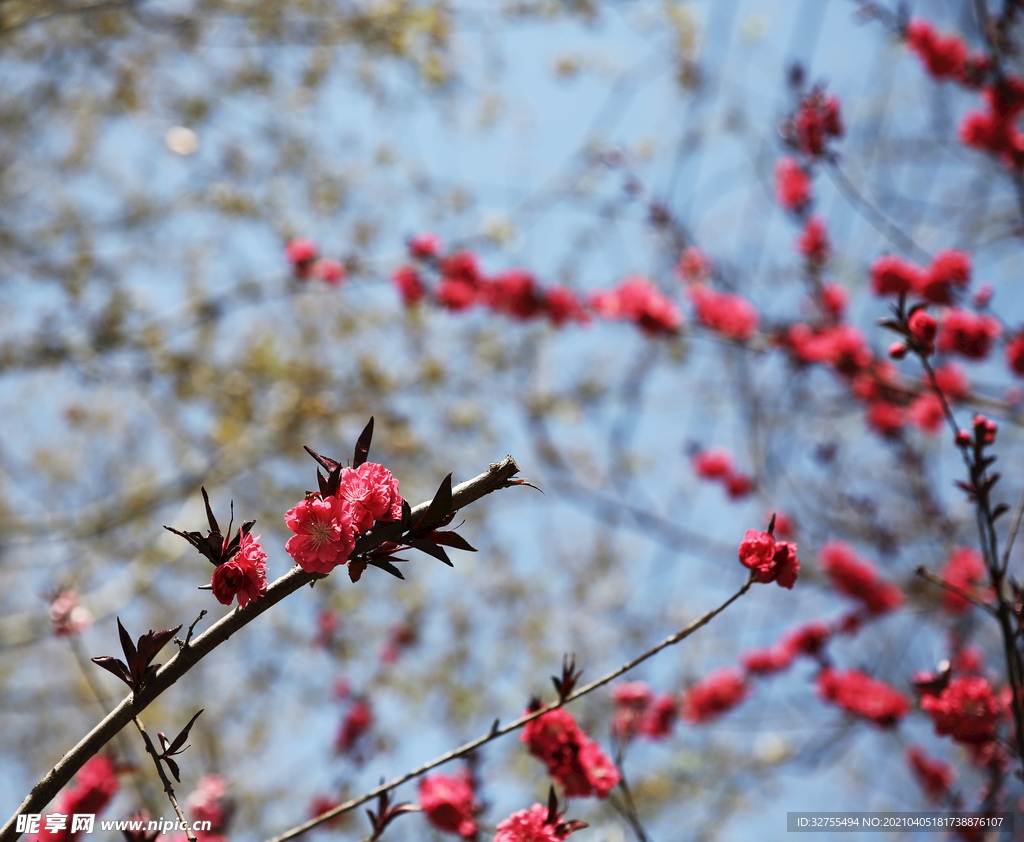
(207, 802)
(450, 803)
(638, 710)
(945, 56)
(563, 305)
(768, 660)
(409, 284)
(530, 826)
(301, 253)
(858, 578)
(716, 693)
(572, 758)
(329, 270)
(738, 485)
(927, 413)
(325, 533)
(713, 463)
(67, 617)
(638, 300)
(371, 493)
(1015, 354)
(949, 268)
(808, 639)
(967, 710)
(244, 575)
(885, 418)
(792, 185)
(953, 382)
(515, 293)
(693, 265)
(965, 568)
(730, 315)
(461, 281)
(92, 789)
(970, 334)
(771, 560)
(817, 120)
(935, 776)
(863, 695)
(813, 242)
(923, 328)
(660, 717)
(834, 299)
(425, 245)
(358, 721)
(843, 347)
(894, 275)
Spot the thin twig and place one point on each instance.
(949, 586)
(166, 781)
(496, 731)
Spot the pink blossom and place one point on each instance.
(425, 244)
(243, 575)
(968, 333)
(328, 269)
(529, 826)
(733, 316)
(863, 695)
(858, 578)
(409, 285)
(716, 693)
(301, 253)
(450, 803)
(325, 533)
(372, 494)
(67, 616)
(792, 185)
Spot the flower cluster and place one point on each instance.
(863, 695)
(717, 464)
(461, 285)
(303, 255)
(572, 758)
(93, 788)
(326, 527)
(243, 575)
(993, 129)
(813, 242)
(67, 616)
(638, 300)
(935, 776)
(950, 270)
(968, 333)
(208, 803)
(858, 579)
(355, 724)
(966, 710)
(449, 803)
(639, 710)
(715, 694)
(817, 121)
(768, 559)
(731, 315)
(945, 56)
(792, 185)
(535, 825)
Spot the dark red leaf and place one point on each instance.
(363, 445)
(451, 539)
(114, 666)
(326, 463)
(430, 548)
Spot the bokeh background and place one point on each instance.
(155, 158)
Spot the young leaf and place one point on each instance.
(115, 666)
(363, 445)
(439, 507)
(176, 745)
(326, 463)
(386, 566)
(451, 539)
(430, 548)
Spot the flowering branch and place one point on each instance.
(499, 475)
(515, 725)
